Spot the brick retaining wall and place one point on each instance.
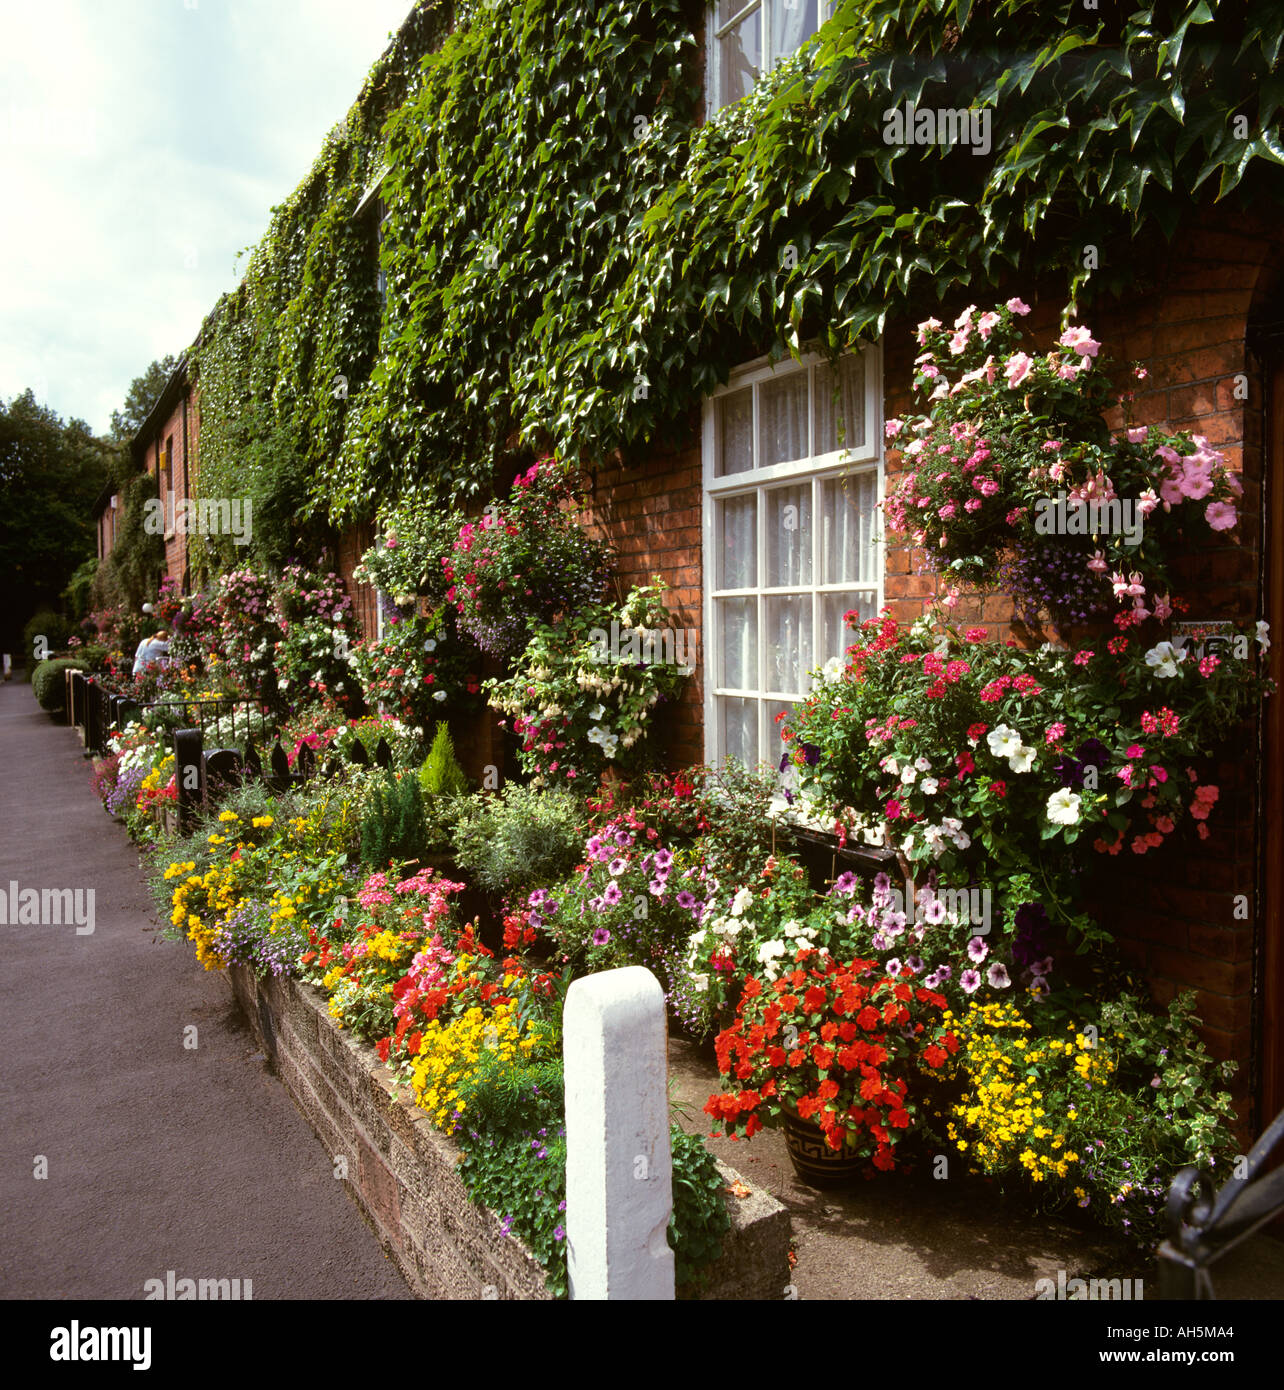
(401, 1170)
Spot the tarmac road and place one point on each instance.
(158, 1156)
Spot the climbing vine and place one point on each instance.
(574, 258)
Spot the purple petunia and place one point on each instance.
(601, 936)
(977, 950)
(686, 899)
(611, 894)
(997, 976)
(970, 981)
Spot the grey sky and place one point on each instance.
(142, 145)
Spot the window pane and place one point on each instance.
(739, 59)
(837, 637)
(729, 9)
(739, 730)
(788, 638)
(788, 536)
(793, 22)
(774, 748)
(846, 527)
(738, 645)
(735, 432)
(840, 422)
(782, 420)
(738, 542)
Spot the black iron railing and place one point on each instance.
(99, 713)
(1205, 1223)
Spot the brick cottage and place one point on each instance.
(1205, 317)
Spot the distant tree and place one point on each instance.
(50, 475)
(143, 393)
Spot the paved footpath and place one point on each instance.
(159, 1157)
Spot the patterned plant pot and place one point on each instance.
(815, 1163)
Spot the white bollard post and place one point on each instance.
(619, 1167)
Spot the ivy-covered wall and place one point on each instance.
(574, 258)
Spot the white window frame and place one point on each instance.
(713, 96)
(868, 458)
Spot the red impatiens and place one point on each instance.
(833, 1042)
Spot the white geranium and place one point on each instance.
(1063, 807)
(1165, 659)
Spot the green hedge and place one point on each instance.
(48, 684)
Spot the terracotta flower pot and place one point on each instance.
(815, 1163)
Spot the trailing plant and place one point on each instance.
(1014, 462)
(524, 564)
(991, 763)
(419, 668)
(584, 692)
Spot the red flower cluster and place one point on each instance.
(827, 1040)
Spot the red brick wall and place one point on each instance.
(352, 545)
(181, 454)
(649, 509)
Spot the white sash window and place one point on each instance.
(792, 476)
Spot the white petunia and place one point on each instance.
(1262, 630)
(1165, 658)
(928, 786)
(1063, 807)
(908, 774)
(1003, 741)
(741, 901)
(1022, 760)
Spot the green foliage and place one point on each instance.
(573, 259)
(48, 684)
(521, 838)
(52, 627)
(515, 1163)
(393, 827)
(51, 472)
(699, 1221)
(76, 594)
(441, 773)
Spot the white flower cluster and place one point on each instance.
(938, 837)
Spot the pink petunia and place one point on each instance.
(1221, 516)
(1018, 367)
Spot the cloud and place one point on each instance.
(142, 145)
